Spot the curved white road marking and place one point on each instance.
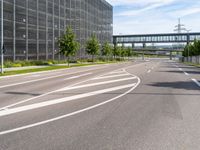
(30, 99)
(61, 100)
(70, 114)
(95, 84)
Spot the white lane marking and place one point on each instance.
(62, 100)
(197, 82)
(95, 84)
(116, 72)
(75, 77)
(112, 76)
(186, 73)
(148, 71)
(27, 100)
(25, 82)
(70, 114)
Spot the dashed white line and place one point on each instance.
(197, 82)
(149, 71)
(186, 73)
(180, 69)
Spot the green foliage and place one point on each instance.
(129, 52)
(106, 49)
(67, 44)
(192, 49)
(92, 46)
(117, 51)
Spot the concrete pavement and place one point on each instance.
(150, 105)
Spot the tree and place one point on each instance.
(192, 49)
(196, 49)
(67, 44)
(106, 50)
(92, 46)
(129, 52)
(116, 51)
(123, 52)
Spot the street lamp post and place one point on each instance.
(2, 47)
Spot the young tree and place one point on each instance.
(116, 51)
(106, 50)
(92, 46)
(196, 49)
(67, 44)
(129, 52)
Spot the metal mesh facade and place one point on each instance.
(32, 27)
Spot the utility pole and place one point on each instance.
(180, 27)
(2, 47)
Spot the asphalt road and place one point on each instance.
(143, 105)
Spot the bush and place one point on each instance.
(17, 65)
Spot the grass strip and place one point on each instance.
(49, 68)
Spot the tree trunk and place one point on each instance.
(68, 61)
(93, 58)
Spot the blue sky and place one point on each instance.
(154, 16)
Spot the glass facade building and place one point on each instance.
(32, 27)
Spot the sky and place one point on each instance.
(154, 16)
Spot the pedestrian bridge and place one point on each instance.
(156, 38)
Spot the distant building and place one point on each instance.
(32, 27)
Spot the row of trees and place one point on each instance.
(192, 49)
(69, 46)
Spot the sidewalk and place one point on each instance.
(23, 68)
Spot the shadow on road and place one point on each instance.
(188, 85)
(22, 93)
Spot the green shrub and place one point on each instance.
(17, 65)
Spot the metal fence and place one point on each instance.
(192, 59)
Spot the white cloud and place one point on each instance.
(155, 4)
(154, 16)
(186, 12)
(136, 2)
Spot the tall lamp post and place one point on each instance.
(2, 47)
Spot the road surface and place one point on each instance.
(142, 105)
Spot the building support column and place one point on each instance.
(133, 45)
